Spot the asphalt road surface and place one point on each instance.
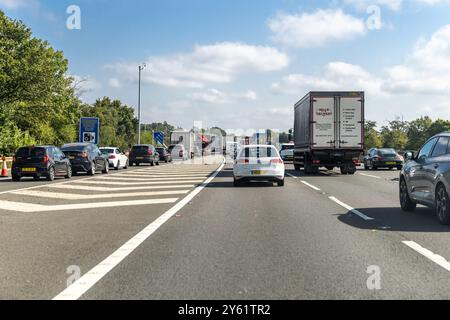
(184, 232)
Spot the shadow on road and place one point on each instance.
(394, 219)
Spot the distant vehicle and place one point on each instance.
(425, 178)
(287, 151)
(86, 157)
(144, 153)
(329, 131)
(117, 159)
(164, 155)
(383, 158)
(259, 163)
(232, 149)
(40, 161)
(178, 152)
(187, 139)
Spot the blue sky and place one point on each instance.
(243, 64)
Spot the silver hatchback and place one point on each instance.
(425, 178)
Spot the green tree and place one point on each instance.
(438, 126)
(373, 138)
(418, 132)
(394, 135)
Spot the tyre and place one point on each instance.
(157, 163)
(15, 178)
(106, 168)
(297, 167)
(118, 166)
(92, 170)
(310, 169)
(152, 163)
(344, 170)
(51, 174)
(442, 205)
(281, 183)
(236, 182)
(69, 172)
(406, 202)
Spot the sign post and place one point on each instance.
(89, 130)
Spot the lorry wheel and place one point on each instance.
(297, 167)
(344, 170)
(310, 169)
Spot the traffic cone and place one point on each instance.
(4, 168)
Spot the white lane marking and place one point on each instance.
(29, 207)
(439, 260)
(346, 206)
(87, 281)
(156, 175)
(107, 189)
(114, 183)
(126, 178)
(74, 196)
(292, 176)
(310, 185)
(369, 175)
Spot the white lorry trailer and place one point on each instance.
(329, 131)
(187, 140)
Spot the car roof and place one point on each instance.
(259, 146)
(109, 148)
(443, 134)
(78, 144)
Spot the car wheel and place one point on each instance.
(51, 174)
(236, 182)
(297, 167)
(281, 183)
(118, 166)
(400, 168)
(152, 164)
(15, 178)
(406, 202)
(157, 163)
(106, 168)
(442, 205)
(69, 172)
(91, 172)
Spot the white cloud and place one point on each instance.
(305, 30)
(114, 83)
(426, 70)
(394, 5)
(334, 76)
(217, 63)
(17, 4)
(215, 96)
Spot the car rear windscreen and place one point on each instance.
(140, 149)
(287, 147)
(258, 152)
(78, 148)
(31, 152)
(107, 151)
(387, 152)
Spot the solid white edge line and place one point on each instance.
(291, 175)
(346, 206)
(439, 260)
(369, 175)
(87, 281)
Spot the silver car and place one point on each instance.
(425, 178)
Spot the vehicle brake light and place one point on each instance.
(276, 161)
(83, 154)
(46, 159)
(150, 152)
(356, 161)
(112, 156)
(316, 161)
(243, 161)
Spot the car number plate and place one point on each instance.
(140, 158)
(258, 172)
(71, 158)
(391, 163)
(28, 169)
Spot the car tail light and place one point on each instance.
(83, 154)
(316, 161)
(243, 161)
(14, 159)
(356, 161)
(276, 161)
(181, 154)
(46, 159)
(112, 156)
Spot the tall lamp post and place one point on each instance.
(141, 67)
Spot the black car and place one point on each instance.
(86, 157)
(425, 178)
(383, 158)
(164, 155)
(40, 161)
(144, 153)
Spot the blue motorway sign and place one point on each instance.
(89, 130)
(158, 137)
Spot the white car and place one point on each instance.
(287, 151)
(178, 152)
(259, 163)
(116, 158)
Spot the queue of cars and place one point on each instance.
(50, 161)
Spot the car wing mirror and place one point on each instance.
(408, 156)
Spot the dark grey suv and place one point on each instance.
(425, 178)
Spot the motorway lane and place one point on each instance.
(39, 245)
(378, 198)
(264, 242)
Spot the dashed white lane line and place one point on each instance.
(29, 207)
(159, 182)
(143, 179)
(353, 210)
(87, 281)
(74, 196)
(310, 185)
(107, 189)
(146, 176)
(439, 260)
(369, 175)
